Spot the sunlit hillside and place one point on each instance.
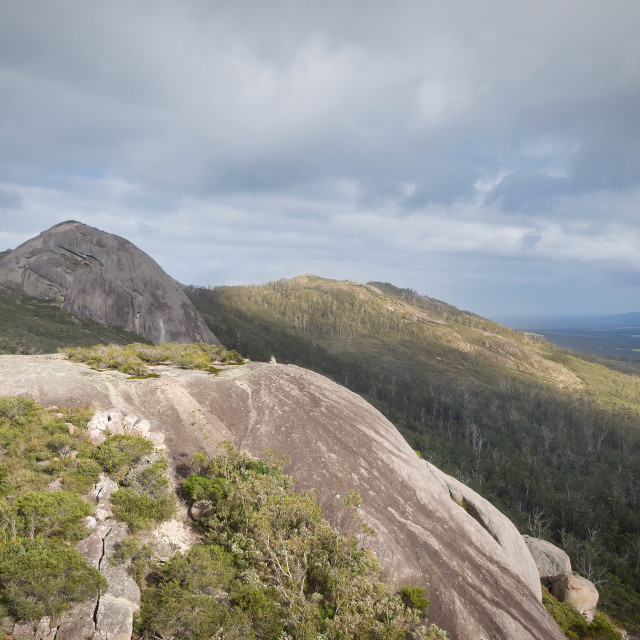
(551, 438)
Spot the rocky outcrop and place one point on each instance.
(549, 559)
(97, 275)
(554, 567)
(468, 561)
(494, 523)
(112, 422)
(110, 617)
(576, 590)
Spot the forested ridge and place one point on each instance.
(551, 438)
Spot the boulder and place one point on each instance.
(576, 590)
(550, 560)
(114, 421)
(23, 631)
(97, 437)
(77, 622)
(128, 423)
(142, 428)
(98, 422)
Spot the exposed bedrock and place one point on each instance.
(481, 581)
(101, 276)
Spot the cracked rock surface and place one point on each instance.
(104, 277)
(110, 617)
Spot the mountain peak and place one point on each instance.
(103, 277)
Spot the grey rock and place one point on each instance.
(23, 631)
(495, 523)
(115, 619)
(336, 441)
(98, 421)
(198, 508)
(128, 423)
(92, 547)
(44, 630)
(142, 428)
(97, 275)
(157, 439)
(97, 437)
(118, 532)
(104, 488)
(114, 422)
(576, 590)
(77, 622)
(121, 584)
(550, 560)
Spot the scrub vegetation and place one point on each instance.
(46, 464)
(272, 567)
(551, 438)
(574, 625)
(30, 326)
(40, 573)
(136, 358)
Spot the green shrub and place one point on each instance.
(186, 604)
(133, 358)
(140, 556)
(119, 453)
(574, 625)
(272, 566)
(201, 488)
(15, 407)
(140, 510)
(42, 578)
(52, 513)
(414, 598)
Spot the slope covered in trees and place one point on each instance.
(550, 438)
(28, 325)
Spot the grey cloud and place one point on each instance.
(530, 239)
(10, 199)
(254, 114)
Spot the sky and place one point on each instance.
(482, 152)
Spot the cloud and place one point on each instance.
(339, 137)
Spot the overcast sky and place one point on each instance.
(484, 152)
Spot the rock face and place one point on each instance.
(110, 617)
(103, 277)
(576, 590)
(550, 560)
(477, 573)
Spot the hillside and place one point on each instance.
(29, 325)
(551, 438)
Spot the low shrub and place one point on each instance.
(273, 567)
(134, 358)
(42, 577)
(119, 453)
(52, 513)
(574, 625)
(140, 510)
(414, 598)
